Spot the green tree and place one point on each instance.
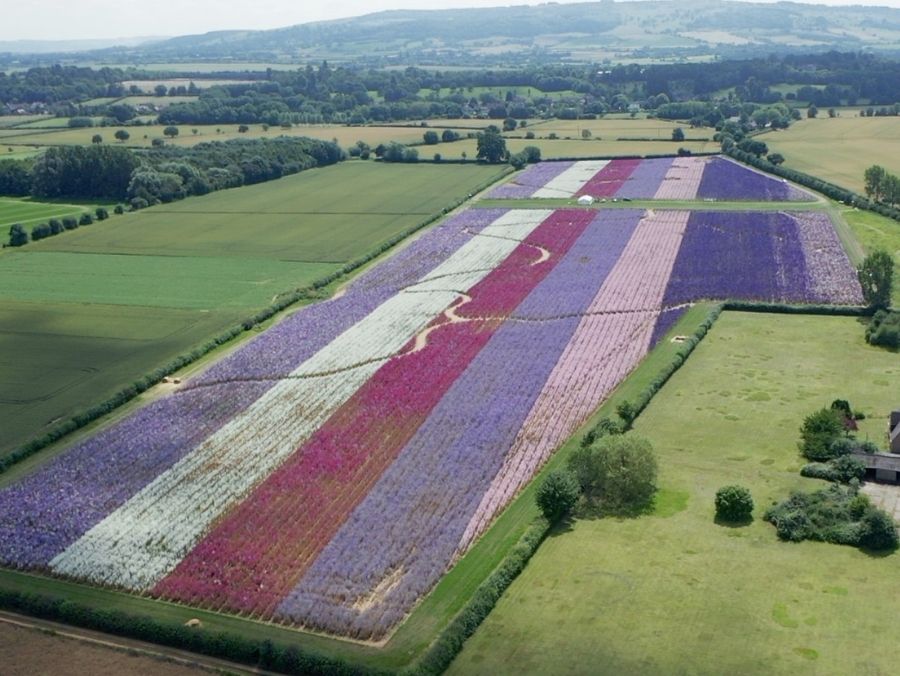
(491, 146)
(122, 135)
(734, 504)
(171, 131)
(873, 177)
(509, 124)
(817, 433)
(96, 139)
(876, 277)
(557, 495)
(812, 111)
(617, 474)
(431, 138)
(17, 235)
(775, 158)
(678, 134)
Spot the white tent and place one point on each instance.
(586, 200)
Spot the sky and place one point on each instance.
(82, 19)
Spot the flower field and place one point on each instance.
(328, 473)
(668, 178)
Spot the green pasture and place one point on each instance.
(674, 593)
(29, 212)
(562, 148)
(877, 232)
(839, 149)
(328, 215)
(7, 121)
(58, 358)
(204, 283)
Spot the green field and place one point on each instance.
(674, 592)
(839, 149)
(323, 215)
(58, 358)
(142, 288)
(877, 232)
(29, 212)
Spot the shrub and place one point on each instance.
(734, 503)
(557, 495)
(818, 432)
(69, 223)
(102, 214)
(17, 235)
(878, 531)
(846, 468)
(837, 514)
(85, 219)
(119, 209)
(884, 329)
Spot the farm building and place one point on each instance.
(894, 431)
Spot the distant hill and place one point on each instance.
(591, 31)
(57, 46)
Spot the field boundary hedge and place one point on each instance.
(783, 308)
(831, 190)
(283, 301)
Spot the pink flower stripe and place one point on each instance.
(607, 345)
(298, 509)
(682, 180)
(608, 181)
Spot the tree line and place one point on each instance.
(146, 177)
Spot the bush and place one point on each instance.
(884, 329)
(819, 431)
(846, 468)
(69, 223)
(101, 213)
(557, 495)
(17, 235)
(878, 531)
(119, 209)
(734, 503)
(837, 514)
(85, 219)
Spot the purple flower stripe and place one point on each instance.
(645, 179)
(738, 255)
(832, 278)
(666, 320)
(47, 511)
(724, 179)
(402, 537)
(524, 184)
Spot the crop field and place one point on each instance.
(672, 592)
(613, 128)
(28, 212)
(839, 149)
(323, 215)
(189, 269)
(143, 136)
(673, 178)
(563, 149)
(344, 438)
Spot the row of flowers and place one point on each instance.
(681, 178)
(304, 502)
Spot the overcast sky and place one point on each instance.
(77, 19)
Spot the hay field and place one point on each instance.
(839, 149)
